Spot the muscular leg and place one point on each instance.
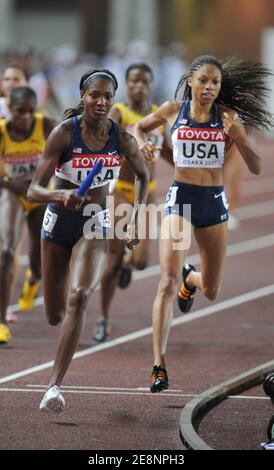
(110, 278)
(232, 172)
(16, 264)
(139, 258)
(10, 316)
(233, 176)
(33, 274)
(170, 263)
(11, 220)
(88, 267)
(212, 242)
(34, 220)
(55, 273)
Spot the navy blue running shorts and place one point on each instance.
(65, 227)
(203, 206)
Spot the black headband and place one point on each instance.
(100, 74)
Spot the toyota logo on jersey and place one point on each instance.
(89, 161)
(76, 169)
(198, 147)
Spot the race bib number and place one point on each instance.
(224, 199)
(21, 165)
(104, 218)
(171, 196)
(26, 169)
(50, 219)
(98, 225)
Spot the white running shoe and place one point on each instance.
(53, 400)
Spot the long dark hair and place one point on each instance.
(244, 88)
(85, 81)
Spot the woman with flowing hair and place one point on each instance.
(218, 100)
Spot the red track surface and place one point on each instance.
(115, 410)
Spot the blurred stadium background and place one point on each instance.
(57, 40)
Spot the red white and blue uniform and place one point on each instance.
(77, 161)
(201, 146)
(65, 227)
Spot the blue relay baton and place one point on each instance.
(85, 185)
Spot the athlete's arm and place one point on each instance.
(235, 129)
(130, 149)
(17, 185)
(161, 116)
(167, 151)
(57, 142)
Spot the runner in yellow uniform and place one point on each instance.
(22, 141)
(12, 76)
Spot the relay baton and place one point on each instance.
(85, 185)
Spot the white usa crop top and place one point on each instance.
(78, 160)
(198, 145)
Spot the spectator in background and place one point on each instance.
(12, 76)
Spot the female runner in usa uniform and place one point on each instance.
(218, 99)
(74, 244)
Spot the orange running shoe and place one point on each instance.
(186, 294)
(159, 379)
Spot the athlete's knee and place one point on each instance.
(140, 264)
(78, 299)
(54, 314)
(113, 265)
(211, 292)
(54, 320)
(168, 286)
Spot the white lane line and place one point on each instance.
(248, 397)
(258, 186)
(203, 312)
(93, 392)
(134, 389)
(146, 392)
(237, 248)
(260, 209)
(251, 211)
(84, 387)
